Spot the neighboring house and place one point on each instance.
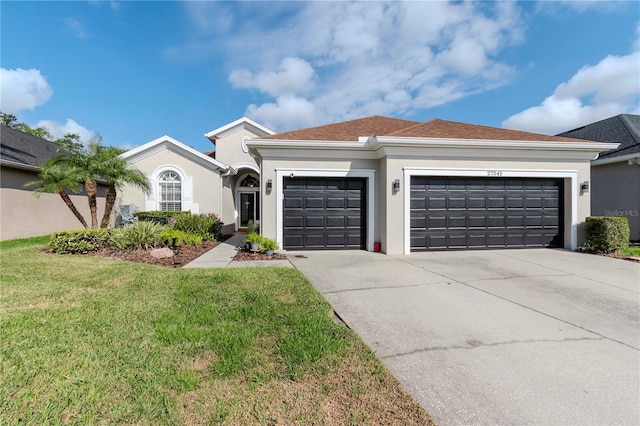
(21, 214)
(225, 181)
(615, 175)
(408, 186)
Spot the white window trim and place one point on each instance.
(369, 174)
(505, 173)
(186, 203)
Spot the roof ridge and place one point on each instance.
(631, 128)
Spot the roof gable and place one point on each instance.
(22, 148)
(623, 129)
(242, 123)
(167, 142)
(443, 129)
(346, 130)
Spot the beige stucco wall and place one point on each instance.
(206, 182)
(389, 223)
(229, 149)
(615, 191)
(22, 215)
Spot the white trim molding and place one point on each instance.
(572, 175)
(241, 123)
(629, 159)
(152, 199)
(369, 174)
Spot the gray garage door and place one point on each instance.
(475, 213)
(324, 213)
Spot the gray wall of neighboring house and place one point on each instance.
(615, 191)
(23, 216)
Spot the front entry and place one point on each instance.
(249, 208)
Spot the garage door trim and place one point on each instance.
(572, 188)
(369, 174)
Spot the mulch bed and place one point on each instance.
(182, 256)
(244, 255)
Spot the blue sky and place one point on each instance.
(134, 71)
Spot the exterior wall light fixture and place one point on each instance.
(396, 186)
(269, 185)
(584, 187)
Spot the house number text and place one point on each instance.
(494, 173)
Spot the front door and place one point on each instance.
(248, 208)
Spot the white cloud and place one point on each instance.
(22, 90)
(58, 130)
(288, 112)
(295, 75)
(346, 60)
(596, 92)
(76, 28)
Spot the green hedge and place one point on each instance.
(80, 241)
(205, 225)
(606, 234)
(160, 217)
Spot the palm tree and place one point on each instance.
(56, 178)
(116, 172)
(88, 161)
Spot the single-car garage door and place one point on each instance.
(324, 213)
(475, 213)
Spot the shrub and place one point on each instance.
(606, 234)
(171, 237)
(160, 217)
(253, 237)
(80, 241)
(251, 227)
(268, 244)
(139, 235)
(205, 225)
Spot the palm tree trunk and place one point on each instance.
(108, 206)
(91, 188)
(65, 197)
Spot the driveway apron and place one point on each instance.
(496, 337)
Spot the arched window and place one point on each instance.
(170, 191)
(250, 182)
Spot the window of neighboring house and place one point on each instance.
(170, 191)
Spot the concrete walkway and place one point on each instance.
(222, 256)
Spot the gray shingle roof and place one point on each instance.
(623, 129)
(23, 148)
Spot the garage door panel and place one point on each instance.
(335, 221)
(293, 203)
(485, 213)
(418, 203)
(324, 213)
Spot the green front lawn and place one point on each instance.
(632, 251)
(92, 340)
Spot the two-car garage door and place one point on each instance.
(473, 213)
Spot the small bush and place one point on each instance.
(160, 217)
(606, 234)
(80, 241)
(251, 227)
(253, 237)
(205, 225)
(268, 244)
(171, 237)
(143, 234)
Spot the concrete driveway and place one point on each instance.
(496, 337)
